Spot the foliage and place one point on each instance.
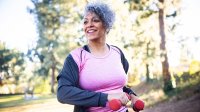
(60, 21)
(194, 67)
(144, 44)
(11, 64)
(186, 79)
(55, 19)
(43, 87)
(152, 93)
(148, 9)
(168, 86)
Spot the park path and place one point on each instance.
(190, 104)
(51, 105)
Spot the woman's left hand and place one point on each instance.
(134, 98)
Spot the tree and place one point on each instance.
(165, 65)
(145, 42)
(149, 8)
(11, 64)
(55, 19)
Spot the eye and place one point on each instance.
(85, 22)
(96, 20)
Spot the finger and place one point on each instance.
(125, 99)
(134, 98)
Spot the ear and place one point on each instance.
(107, 31)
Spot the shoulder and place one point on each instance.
(75, 54)
(76, 51)
(119, 51)
(116, 48)
(78, 56)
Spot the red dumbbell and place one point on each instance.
(116, 104)
(138, 105)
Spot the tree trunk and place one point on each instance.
(53, 67)
(147, 64)
(147, 73)
(165, 65)
(53, 79)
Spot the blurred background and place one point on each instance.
(160, 39)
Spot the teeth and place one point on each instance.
(90, 31)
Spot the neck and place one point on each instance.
(98, 49)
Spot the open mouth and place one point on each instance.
(91, 31)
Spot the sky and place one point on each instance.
(17, 26)
(18, 29)
(189, 27)
(190, 18)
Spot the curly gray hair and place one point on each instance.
(103, 11)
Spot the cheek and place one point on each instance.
(103, 30)
(84, 29)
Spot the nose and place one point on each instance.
(90, 24)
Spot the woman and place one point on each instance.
(96, 73)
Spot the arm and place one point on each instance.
(69, 91)
(127, 90)
(126, 67)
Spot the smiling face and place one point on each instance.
(93, 27)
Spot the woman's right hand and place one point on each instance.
(121, 96)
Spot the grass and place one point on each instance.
(152, 93)
(41, 103)
(18, 100)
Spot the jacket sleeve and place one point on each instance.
(126, 67)
(69, 91)
(128, 90)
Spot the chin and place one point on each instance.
(92, 38)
